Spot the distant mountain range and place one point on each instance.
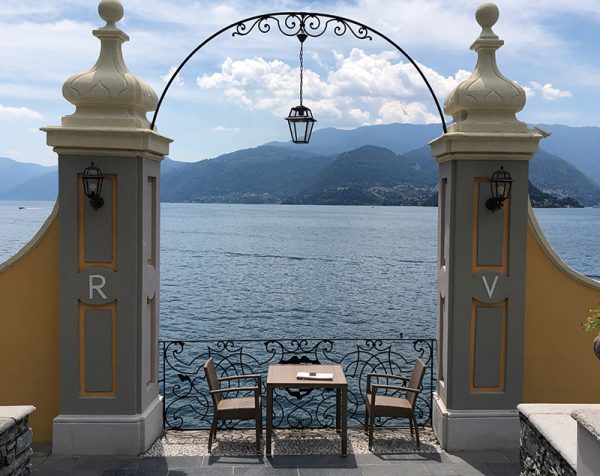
(20, 180)
(344, 167)
(580, 146)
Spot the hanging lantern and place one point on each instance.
(300, 120)
(500, 183)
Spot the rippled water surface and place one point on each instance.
(574, 233)
(261, 271)
(19, 222)
(314, 271)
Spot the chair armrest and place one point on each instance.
(240, 377)
(379, 375)
(401, 377)
(235, 389)
(394, 387)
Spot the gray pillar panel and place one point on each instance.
(98, 228)
(121, 286)
(98, 350)
(489, 232)
(459, 278)
(488, 338)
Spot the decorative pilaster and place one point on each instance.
(481, 262)
(109, 257)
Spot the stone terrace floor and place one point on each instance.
(306, 452)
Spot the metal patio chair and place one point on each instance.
(379, 404)
(233, 408)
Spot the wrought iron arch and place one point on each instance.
(291, 24)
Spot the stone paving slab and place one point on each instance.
(300, 465)
(438, 463)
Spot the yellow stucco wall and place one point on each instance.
(560, 366)
(29, 339)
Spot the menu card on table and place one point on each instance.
(314, 376)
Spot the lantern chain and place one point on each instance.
(301, 69)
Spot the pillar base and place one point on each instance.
(128, 435)
(464, 430)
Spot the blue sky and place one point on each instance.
(236, 91)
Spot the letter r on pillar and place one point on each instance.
(97, 282)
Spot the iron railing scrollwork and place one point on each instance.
(310, 24)
(187, 403)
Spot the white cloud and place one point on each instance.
(360, 89)
(360, 116)
(413, 112)
(178, 81)
(46, 51)
(528, 91)
(225, 129)
(549, 92)
(8, 112)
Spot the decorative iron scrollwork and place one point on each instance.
(310, 24)
(304, 23)
(187, 403)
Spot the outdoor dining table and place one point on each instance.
(285, 376)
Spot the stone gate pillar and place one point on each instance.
(109, 257)
(481, 262)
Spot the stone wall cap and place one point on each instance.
(556, 425)
(560, 430)
(10, 415)
(590, 419)
(529, 409)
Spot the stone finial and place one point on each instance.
(109, 95)
(487, 99)
(111, 11)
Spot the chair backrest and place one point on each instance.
(211, 378)
(416, 379)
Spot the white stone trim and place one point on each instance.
(468, 430)
(485, 146)
(107, 141)
(107, 434)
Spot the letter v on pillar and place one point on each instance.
(109, 394)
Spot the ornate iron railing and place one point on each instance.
(188, 406)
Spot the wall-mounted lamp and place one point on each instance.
(300, 119)
(500, 183)
(92, 185)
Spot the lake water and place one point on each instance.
(261, 271)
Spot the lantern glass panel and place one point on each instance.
(500, 189)
(92, 181)
(300, 122)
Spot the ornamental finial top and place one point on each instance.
(111, 11)
(487, 15)
(487, 100)
(109, 95)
